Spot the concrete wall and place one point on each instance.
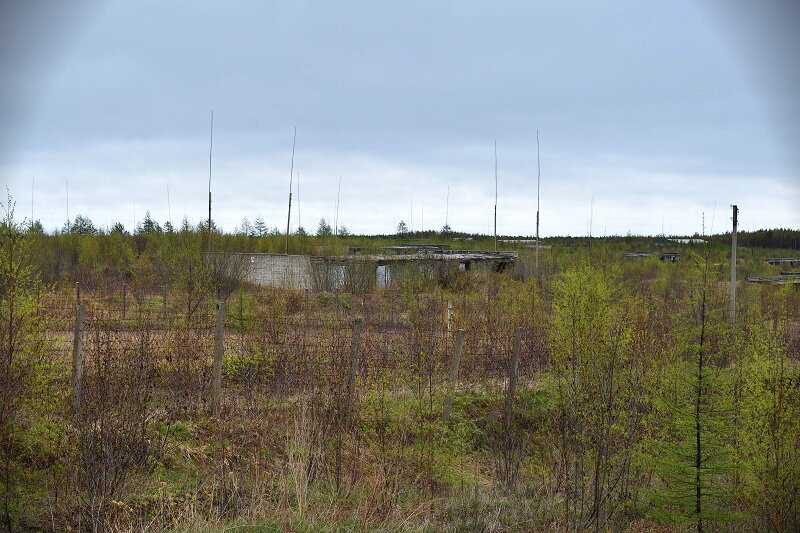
(278, 270)
(318, 274)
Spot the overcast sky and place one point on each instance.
(649, 113)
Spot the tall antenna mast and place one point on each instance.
(33, 182)
(210, 149)
(291, 175)
(412, 212)
(538, 186)
(495, 196)
(336, 214)
(68, 224)
(298, 200)
(447, 208)
(169, 208)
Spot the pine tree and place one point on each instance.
(148, 225)
(693, 457)
(324, 229)
(259, 228)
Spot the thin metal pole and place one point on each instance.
(169, 208)
(538, 187)
(298, 200)
(210, 150)
(291, 176)
(447, 209)
(495, 196)
(336, 214)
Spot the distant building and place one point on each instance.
(688, 241)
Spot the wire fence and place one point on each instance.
(289, 342)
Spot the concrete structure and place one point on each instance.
(362, 269)
(778, 280)
(688, 241)
(663, 256)
(784, 261)
(278, 270)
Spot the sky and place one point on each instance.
(651, 116)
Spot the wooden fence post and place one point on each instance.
(219, 351)
(124, 298)
(512, 378)
(77, 358)
(354, 350)
(307, 308)
(453, 377)
(449, 317)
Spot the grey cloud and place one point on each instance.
(421, 88)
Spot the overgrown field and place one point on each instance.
(639, 405)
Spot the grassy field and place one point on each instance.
(324, 426)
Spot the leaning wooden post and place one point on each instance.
(351, 382)
(512, 378)
(77, 358)
(219, 350)
(453, 377)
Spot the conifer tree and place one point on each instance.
(692, 457)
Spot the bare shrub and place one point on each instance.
(110, 419)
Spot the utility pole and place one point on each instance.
(735, 210)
